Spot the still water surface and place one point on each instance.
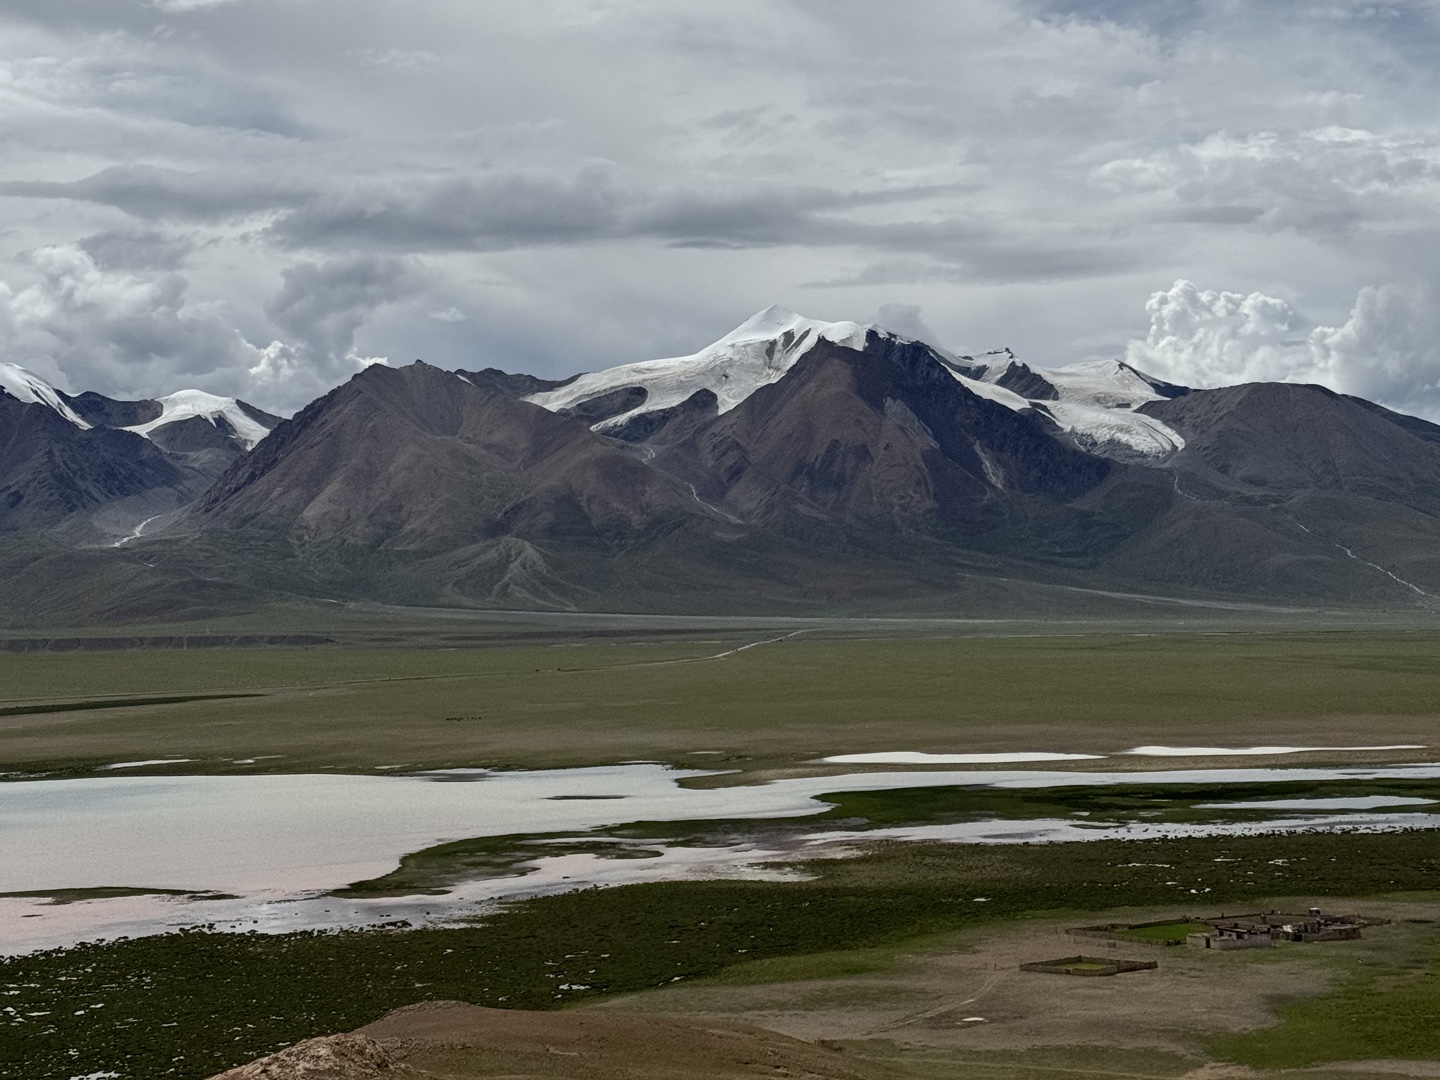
(279, 842)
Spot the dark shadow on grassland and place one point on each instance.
(114, 703)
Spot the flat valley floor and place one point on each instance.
(901, 960)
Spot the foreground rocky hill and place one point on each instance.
(456, 1041)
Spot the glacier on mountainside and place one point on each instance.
(1095, 401)
(28, 387)
(184, 404)
(756, 353)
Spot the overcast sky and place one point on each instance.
(255, 197)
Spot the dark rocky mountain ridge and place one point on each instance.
(1293, 438)
(419, 459)
(885, 435)
(50, 469)
(88, 473)
(865, 469)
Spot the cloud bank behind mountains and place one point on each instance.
(1387, 350)
(124, 333)
(257, 197)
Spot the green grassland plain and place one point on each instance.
(184, 1005)
(786, 699)
(891, 950)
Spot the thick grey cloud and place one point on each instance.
(488, 212)
(499, 210)
(138, 249)
(155, 194)
(259, 195)
(119, 332)
(320, 306)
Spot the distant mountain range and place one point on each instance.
(96, 466)
(793, 466)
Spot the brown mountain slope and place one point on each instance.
(419, 459)
(1286, 438)
(457, 1041)
(51, 469)
(885, 435)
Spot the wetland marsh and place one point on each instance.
(751, 798)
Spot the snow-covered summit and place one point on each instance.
(756, 353)
(28, 387)
(1095, 401)
(184, 404)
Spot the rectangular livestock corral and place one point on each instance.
(1089, 965)
(1170, 931)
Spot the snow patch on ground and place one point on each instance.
(1096, 403)
(1100, 428)
(1107, 384)
(142, 764)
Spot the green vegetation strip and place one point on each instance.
(1111, 802)
(189, 1005)
(1164, 933)
(1389, 1011)
(797, 700)
(439, 868)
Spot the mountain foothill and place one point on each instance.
(793, 466)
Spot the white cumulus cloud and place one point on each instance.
(1388, 350)
(120, 333)
(320, 307)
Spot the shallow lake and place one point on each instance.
(280, 842)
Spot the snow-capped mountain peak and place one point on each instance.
(184, 404)
(28, 387)
(241, 425)
(1095, 401)
(775, 322)
(756, 353)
